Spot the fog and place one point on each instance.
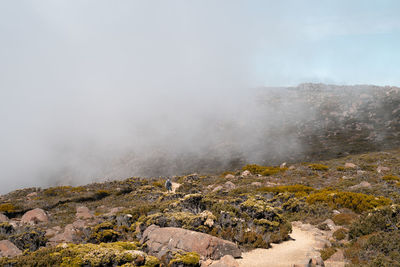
(94, 90)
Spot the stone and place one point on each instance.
(330, 224)
(229, 176)
(3, 218)
(316, 261)
(229, 185)
(68, 235)
(35, 216)
(246, 173)
(283, 165)
(225, 261)
(30, 195)
(350, 165)
(363, 184)
(175, 239)
(382, 169)
(217, 188)
(360, 172)
(8, 249)
(256, 184)
(83, 212)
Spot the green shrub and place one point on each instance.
(384, 219)
(344, 218)
(340, 234)
(358, 202)
(327, 252)
(318, 167)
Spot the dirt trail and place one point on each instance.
(306, 242)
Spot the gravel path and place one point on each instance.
(305, 245)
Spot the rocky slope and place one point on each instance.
(209, 219)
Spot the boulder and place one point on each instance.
(217, 188)
(229, 185)
(225, 261)
(83, 212)
(8, 249)
(229, 176)
(159, 240)
(3, 218)
(363, 184)
(35, 216)
(246, 173)
(256, 184)
(69, 235)
(350, 165)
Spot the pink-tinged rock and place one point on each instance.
(34, 216)
(382, 169)
(83, 212)
(350, 165)
(8, 249)
(31, 195)
(363, 184)
(159, 240)
(246, 173)
(225, 261)
(229, 176)
(68, 235)
(3, 218)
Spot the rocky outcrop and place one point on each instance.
(8, 249)
(35, 216)
(161, 240)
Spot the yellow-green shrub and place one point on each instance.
(263, 170)
(358, 202)
(389, 178)
(7, 208)
(318, 167)
(298, 189)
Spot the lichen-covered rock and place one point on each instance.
(175, 239)
(35, 216)
(8, 249)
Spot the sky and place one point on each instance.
(94, 77)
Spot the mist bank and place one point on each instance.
(175, 135)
